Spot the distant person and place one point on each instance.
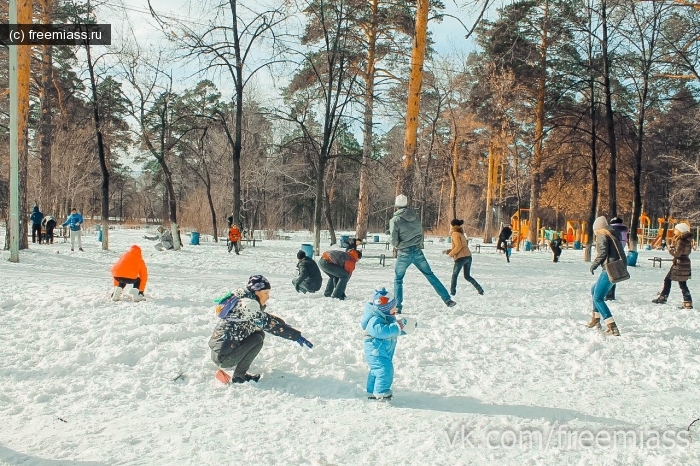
(74, 222)
(130, 269)
(617, 224)
(36, 219)
(555, 246)
(164, 237)
(680, 270)
(607, 246)
(309, 279)
(462, 256)
(234, 238)
(229, 220)
(503, 237)
(240, 332)
(338, 265)
(406, 232)
(49, 224)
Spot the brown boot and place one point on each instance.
(686, 305)
(595, 321)
(661, 299)
(612, 329)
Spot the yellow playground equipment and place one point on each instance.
(653, 236)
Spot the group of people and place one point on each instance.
(43, 227)
(243, 320)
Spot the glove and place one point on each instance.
(406, 326)
(303, 341)
(593, 267)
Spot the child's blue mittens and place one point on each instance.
(304, 342)
(405, 325)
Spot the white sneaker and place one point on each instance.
(136, 296)
(117, 293)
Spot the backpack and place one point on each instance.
(226, 303)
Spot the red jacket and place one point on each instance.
(131, 265)
(346, 260)
(234, 234)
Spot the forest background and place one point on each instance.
(293, 115)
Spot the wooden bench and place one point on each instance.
(382, 258)
(478, 246)
(386, 244)
(659, 260)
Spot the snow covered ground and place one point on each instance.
(511, 377)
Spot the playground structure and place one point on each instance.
(653, 237)
(574, 235)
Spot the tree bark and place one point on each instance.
(609, 116)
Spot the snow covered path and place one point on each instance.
(85, 381)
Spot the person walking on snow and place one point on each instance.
(339, 265)
(555, 246)
(234, 238)
(462, 256)
(309, 279)
(36, 219)
(407, 237)
(240, 332)
(680, 270)
(503, 237)
(74, 222)
(164, 237)
(130, 269)
(607, 247)
(617, 224)
(381, 332)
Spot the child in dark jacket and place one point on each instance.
(680, 270)
(381, 331)
(239, 335)
(309, 279)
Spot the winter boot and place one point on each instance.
(686, 305)
(450, 303)
(595, 321)
(612, 328)
(136, 295)
(661, 299)
(381, 397)
(117, 293)
(251, 377)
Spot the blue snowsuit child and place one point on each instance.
(381, 331)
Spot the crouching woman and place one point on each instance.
(239, 335)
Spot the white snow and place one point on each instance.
(86, 381)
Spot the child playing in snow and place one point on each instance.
(130, 269)
(240, 333)
(381, 330)
(680, 270)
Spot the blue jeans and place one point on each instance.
(466, 264)
(414, 255)
(598, 291)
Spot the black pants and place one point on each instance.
(683, 285)
(36, 230)
(557, 253)
(50, 225)
(338, 279)
(128, 281)
(234, 245)
(466, 264)
(242, 356)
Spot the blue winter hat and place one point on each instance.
(258, 283)
(384, 300)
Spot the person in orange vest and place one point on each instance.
(339, 265)
(234, 238)
(130, 269)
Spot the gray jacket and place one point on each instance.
(165, 238)
(406, 229)
(606, 249)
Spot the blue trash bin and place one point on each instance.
(632, 258)
(528, 245)
(647, 247)
(449, 239)
(376, 238)
(194, 238)
(99, 235)
(344, 240)
(308, 249)
(577, 245)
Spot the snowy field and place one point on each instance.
(510, 377)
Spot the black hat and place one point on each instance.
(615, 220)
(457, 222)
(301, 255)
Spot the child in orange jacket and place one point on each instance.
(234, 238)
(130, 269)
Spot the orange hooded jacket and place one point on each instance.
(234, 234)
(131, 265)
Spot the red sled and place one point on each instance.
(222, 376)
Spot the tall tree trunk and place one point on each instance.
(368, 132)
(211, 208)
(236, 184)
(24, 16)
(415, 82)
(318, 203)
(100, 150)
(536, 186)
(454, 171)
(489, 196)
(45, 124)
(637, 200)
(609, 116)
(593, 206)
